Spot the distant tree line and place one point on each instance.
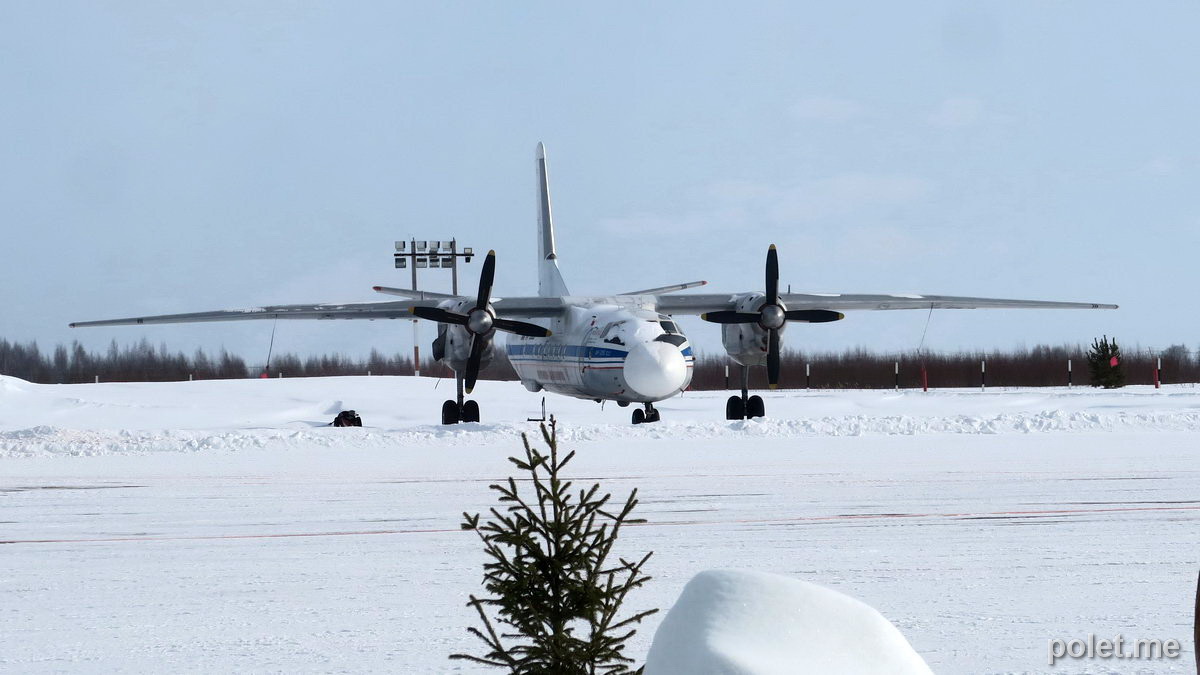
(1040, 366)
(143, 362)
(849, 369)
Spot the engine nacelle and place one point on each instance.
(453, 343)
(746, 343)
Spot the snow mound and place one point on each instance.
(751, 623)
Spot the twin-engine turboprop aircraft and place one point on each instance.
(624, 348)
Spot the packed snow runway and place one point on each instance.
(217, 526)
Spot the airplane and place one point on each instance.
(624, 348)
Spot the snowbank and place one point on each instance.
(751, 623)
(399, 412)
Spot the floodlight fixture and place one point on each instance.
(401, 263)
(422, 246)
(401, 245)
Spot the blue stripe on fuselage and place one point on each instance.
(566, 351)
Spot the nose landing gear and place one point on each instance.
(647, 415)
(745, 406)
(459, 410)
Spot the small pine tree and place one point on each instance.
(550, 578)
(1105, 368)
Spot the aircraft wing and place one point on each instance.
(708, 302)
(397, 309)
(400, 309)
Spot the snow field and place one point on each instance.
(215, 526)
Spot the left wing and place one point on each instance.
(710, 302)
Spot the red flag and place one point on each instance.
(1113, 362)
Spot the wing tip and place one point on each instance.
(541, 150)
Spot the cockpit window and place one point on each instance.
(669, 326)
(672, 339)
(610, 334)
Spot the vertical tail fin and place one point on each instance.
(550, 281)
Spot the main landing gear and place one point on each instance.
(647, 415)
(744, 406)
(459, 410)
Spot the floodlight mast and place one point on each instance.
(437, 254)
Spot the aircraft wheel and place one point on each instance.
(755, 407)
(639, 416)
(653, 416)
(470, 411)
(450, 412)
(734, 408)
(623, 404)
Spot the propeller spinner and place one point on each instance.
(480, 321)
(772, 316)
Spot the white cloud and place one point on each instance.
(1160, 166)
(845, 194)
(959, 111)
(852, 199)
(828, 109)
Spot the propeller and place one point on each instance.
(771, 316)
(480, 320)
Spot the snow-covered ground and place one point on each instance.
(217, 526)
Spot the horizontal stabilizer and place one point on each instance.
(668, 289)
(409, 293)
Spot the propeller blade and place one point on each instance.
(773, 358)
(440, 315)
(813, 315)
(478, 342)
(725, 316)
(520, 328)
(772, 276)
(486, 277)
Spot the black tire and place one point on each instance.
(653, 416)
(470, 411)
(639, 416)
(734, 409)
(755, 407)
(450, 412)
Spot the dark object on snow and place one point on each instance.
(347, 418)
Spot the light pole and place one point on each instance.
(434, 254)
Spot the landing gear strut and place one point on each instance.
(459, 410)
(647, 415)
(745, 406)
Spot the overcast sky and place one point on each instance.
(174, 157)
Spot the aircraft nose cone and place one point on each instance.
(655, 369)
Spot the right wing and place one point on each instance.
(528, 307)
(401, 309)
(710, 302)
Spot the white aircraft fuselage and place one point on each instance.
(614, 351)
